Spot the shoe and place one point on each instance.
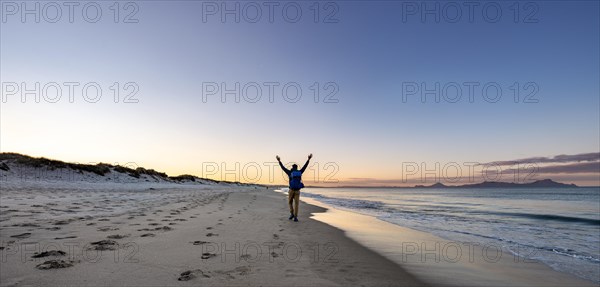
(296, 219)
(291, 216)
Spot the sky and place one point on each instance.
(381, 92)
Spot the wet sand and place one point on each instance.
(441, 262)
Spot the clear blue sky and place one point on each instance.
(369, 53)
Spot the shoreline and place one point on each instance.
(178, 237)
(442, 262)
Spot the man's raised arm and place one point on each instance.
(306, 164)
(287, 171)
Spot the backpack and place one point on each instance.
(296, 180)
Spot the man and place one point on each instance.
(296, 184)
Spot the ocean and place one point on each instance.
(559, 227)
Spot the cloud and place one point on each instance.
(585, 167)
(563, 158)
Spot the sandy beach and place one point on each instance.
(176, 236)
(81, 225)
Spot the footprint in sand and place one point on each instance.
(275, 236)
(229, 274)
(49, 253)
(107, 228)
(66, 237)
(26, 225)
(148, 235)
(22, 235)
(191, 274)
(54, 264)
(164, 228)
(209, 228)
(208, 255)
(104, 245)
(117, 236)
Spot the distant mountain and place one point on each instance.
(544, 183)
(435, 185)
